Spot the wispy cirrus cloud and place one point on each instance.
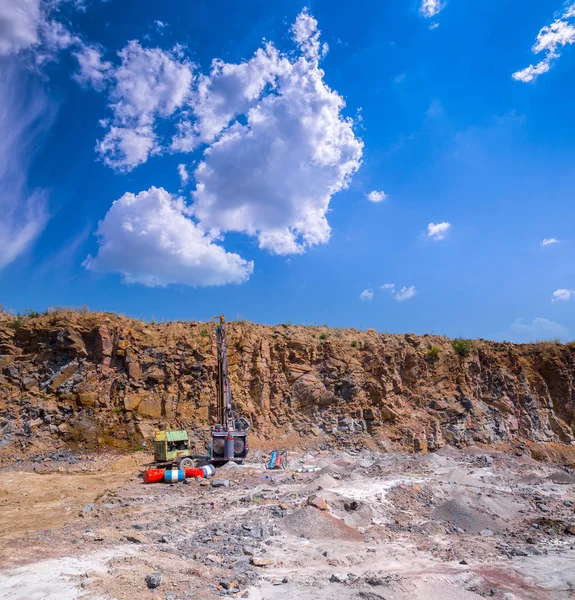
(25, 115)
(549, 241)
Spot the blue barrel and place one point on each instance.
(208, 470)
(272, 462)
(173, 475)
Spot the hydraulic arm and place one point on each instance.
(229, 435)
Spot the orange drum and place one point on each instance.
(193, 473)
(154, 475)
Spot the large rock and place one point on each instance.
(71, 341)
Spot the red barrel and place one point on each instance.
(154, 475)
(193, 473)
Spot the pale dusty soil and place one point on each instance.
(453, 525)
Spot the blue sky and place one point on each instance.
(406, 166)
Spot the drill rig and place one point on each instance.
(230, 435)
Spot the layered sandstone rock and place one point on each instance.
(96, 379)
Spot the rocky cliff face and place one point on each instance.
(99, 379)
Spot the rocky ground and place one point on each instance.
(370, 524)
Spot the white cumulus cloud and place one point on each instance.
(25, 115)
(366, 296)
(275, 144)
(430, 8)
(151, 239)
(550, 41)
(92, 69)
(437, 231)
(537, 330)
(273, 175)
(549, 241)
(306, 34)
(562, 295)
(183, 173)
(405, 293)
(149, 83)
(377, 196)
(226, 92)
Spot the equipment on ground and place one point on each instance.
(278, 459)
(173, 448)
(230, 435)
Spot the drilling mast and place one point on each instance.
(229, 435)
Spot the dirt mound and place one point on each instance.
(315, 524)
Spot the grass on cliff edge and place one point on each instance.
(463, 347)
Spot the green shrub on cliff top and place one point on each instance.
(463, 347)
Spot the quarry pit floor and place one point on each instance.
(450, 525)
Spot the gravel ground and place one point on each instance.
(451, 525)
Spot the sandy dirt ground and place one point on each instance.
(452, 525)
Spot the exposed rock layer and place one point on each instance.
(102, 379)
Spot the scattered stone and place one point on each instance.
(376, 580)
(216, 483)
(339, 578)
(133, 540)
(318, 502)
(229, 584)
(486, 533)
(371, 596)
(260, 561)
(563, 478)
(154, 580)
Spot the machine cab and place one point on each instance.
(171, 445)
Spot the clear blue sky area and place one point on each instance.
(391, 165)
